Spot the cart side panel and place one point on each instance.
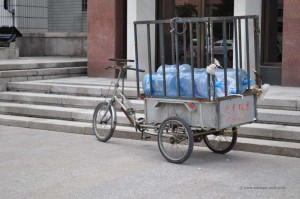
(237, 111)
(203, 114)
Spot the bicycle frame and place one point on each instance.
(120, 98)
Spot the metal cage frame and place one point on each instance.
(196, 24)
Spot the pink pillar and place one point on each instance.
(291, 44)
(106, 38)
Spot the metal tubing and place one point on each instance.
(247, 53)
(198, 45)
(230, 18)
(165, 21)
(149, 57)
(202, 19)
(208, 24)
(184, 47)
(207, 59)
(162, 56)
(177, 62)
(225, 56)
(136, 61)
(173, 46)
(240, 43)
(192, 59)
(212, 57)
(256, 43)
(207, 42)
(236, 54)
(211, 26)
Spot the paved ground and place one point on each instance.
(45, 164)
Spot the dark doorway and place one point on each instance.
(272, 22)
(168, 9)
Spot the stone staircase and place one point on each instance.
(67, 105)
(40, 68)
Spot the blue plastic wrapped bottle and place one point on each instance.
(171, 80)
(186, 82)
(171, 85)
(158, 86)
(220, 87)
(146, 83)
(231, 73)
(202, 85)
(173, 68)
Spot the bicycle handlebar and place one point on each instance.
(126, 68)
(121, 60)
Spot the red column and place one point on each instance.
(106, 38)
(291, 44)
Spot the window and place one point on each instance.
(84, 5)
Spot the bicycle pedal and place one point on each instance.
(146, 137)
(130, 111)
(140, 121)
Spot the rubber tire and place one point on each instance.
(112, 120)
(190, 137)
(229, 148)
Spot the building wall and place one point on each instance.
(291, 43)
(106, 35)
(246, 7)
(67, 16)
(5, 16)
(31, 15)
(140, 10)
(46, 16)
(53, 44)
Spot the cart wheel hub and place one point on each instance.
(172, 140)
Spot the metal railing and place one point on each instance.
(184, 29)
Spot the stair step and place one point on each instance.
(268, 147)
(54, 125)
(270, 131)
(278, 116)
(285, 98)
(25, 63)
(90, 81)
(42, 72)
(243, 144)
(53, 112)
(263, 131)
(60, 100)
(86, 90)
(277, 102)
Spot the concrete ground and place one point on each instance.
(45, 164)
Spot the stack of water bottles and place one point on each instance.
(200, 82)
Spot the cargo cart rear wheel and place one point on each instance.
(175, 140)
(222, 141)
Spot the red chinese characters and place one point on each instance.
(234, 108)
(237, 112)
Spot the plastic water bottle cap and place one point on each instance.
(219, 84)
(233, 91)
(245, 81)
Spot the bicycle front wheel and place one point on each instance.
(104, 121)
(175, 140)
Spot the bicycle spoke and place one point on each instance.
(175, 141)
(103, 125)
(221, 142)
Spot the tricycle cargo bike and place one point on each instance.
(184, 102)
